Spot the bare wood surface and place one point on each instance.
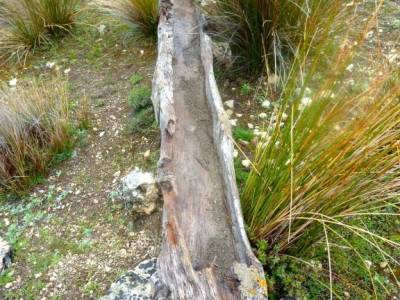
(205, 252)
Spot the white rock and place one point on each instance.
(101, 29)
(230, 103)
(368, 263)
(235, 153)
(139, 192)
(66, 71)
(13, 82)
(234, 122)
(350, 68)
(266, 104)
(383, 264)
(101, 134)
(50, 64)
(306, 101)
(246, 163)
(251, 126)
(262, 115)
(146, 154)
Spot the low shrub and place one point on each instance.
(35, 127)
(28, 24)
(142, 14)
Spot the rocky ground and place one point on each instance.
(73, 238)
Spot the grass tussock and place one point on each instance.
(35, 127)
(265, 34)
(29, 24)
(327, 163)
(142, 14)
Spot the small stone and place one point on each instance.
(266, 104)
(101, 29)
(50, 64)
(262, 116)
(246, 163)
(251, 126)
(66, 71)
(383, 264)
(102, 134)
(235, 153)
(306, 101)
(146, 155)
(229, 112)
(230, 103)
(368, 263)
(13, 82)
(234, 122)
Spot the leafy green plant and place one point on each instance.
(140, 100)
(29, 24)
(142, 14)
(35, 126)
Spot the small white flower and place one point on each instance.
(284, 116)
(235, 153)
(66, 71)
(50, 64)
(102, 29)
(13, 82)
(246, 163)
(141, 52)
(147, 154)
(368, 263)
(266, 104)
(262, 115)
(234, 122)
(350, 68)
(251, 126)
(306, 101)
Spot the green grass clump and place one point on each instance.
(265, 34)
(142, 14)
(140, 100)
(29, 24)
(35, 128)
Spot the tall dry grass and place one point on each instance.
(330, 155)
(142, 14)
(35, 125)
(28, 24)
(264, 34)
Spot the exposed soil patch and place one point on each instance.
(87, 239)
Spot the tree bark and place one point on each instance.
(205, 252)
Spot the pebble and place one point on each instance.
(230, 103)
(246, 163)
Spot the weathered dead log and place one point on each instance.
(205, 253)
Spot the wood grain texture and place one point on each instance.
(205, 252)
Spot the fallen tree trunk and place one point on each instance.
(205, 252)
